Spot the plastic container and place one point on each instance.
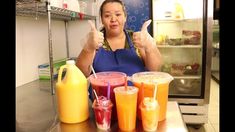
(100, 84)
(83, 6)
(65, 4)
(73, 5)
(72, 94)
(102, 109)
(149, 113)
(56, 3)
(150, 79)
(126, 102)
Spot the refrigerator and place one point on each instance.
(182, 30)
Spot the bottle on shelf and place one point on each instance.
(73, 5)
(65, 4)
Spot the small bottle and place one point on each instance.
(65, 4)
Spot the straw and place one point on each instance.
(125, 83)
(108, 92)
(96, 95)
(142, 89)
(155, 91)
(93, 71)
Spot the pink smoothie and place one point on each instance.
(100, 84)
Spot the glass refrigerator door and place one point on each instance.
(177, 29)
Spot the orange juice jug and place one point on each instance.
(72, 94)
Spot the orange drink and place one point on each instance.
(149, 113)
(126, 103)
(150, 79)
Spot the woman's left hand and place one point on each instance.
(142, 39)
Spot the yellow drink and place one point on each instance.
(72, 94)
(149, 79)
(126, 104)
(149, 114)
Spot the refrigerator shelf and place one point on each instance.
(179, 46)
(166, 20)
(187, 77)
(36, 9)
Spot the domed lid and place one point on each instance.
(152, 77)
(123, 90)
(113, 77)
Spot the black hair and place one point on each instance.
(112, 1)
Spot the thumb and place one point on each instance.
(92, 25)
(145, 25)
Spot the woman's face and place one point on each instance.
(113, 18)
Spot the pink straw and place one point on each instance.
(108, 92)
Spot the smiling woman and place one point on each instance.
(122, 50)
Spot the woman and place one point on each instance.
(116, 49)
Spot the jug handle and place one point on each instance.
(60, 73)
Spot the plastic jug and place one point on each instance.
(72, 94)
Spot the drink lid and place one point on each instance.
(103, 102)
(123, 90)
(114, 78)
(152, 77)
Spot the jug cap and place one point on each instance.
(152, 77)
(70, 62)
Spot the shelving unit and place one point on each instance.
(39, 8)
(179, 46)
(176, 20)
(36, 9)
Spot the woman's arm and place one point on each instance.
(147, 47)
(151, 57)
(87, 55)
(84, 60)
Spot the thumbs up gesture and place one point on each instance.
(142, 39)
(94, 39)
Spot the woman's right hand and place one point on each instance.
(95, 38)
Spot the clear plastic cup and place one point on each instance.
(149, 113)
(83, 6)
(102, 110)
(126, 101)
(100, 84)
(149, 79)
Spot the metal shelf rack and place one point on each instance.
(38, 8)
